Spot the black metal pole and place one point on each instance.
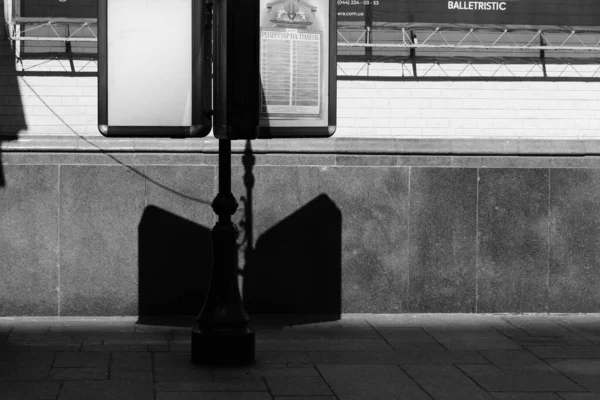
(222, 335)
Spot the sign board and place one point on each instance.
(297, 68)
(236, 69)
(388, 13)
(48, 9)
(152, 78)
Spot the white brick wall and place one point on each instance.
(469, 109)
(404, 109)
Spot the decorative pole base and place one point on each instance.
(222, 335)
(223, 348)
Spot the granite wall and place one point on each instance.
(129, 233)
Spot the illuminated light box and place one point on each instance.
(152, 77)
(297, 68)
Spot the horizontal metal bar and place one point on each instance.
(474, 46)
(54, 39)
(517, 78)
(30, 20)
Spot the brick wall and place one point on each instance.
(451, 109)
(534, 110)
(53, 108)
(549, 110)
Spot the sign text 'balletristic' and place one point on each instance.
(477, 5)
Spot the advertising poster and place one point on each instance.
(387, 13)
(294, 40)
(56, 9)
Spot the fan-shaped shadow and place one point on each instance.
(295, 271)
(175, 261)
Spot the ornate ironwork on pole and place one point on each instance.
(222, 334)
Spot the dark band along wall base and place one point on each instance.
(298, 45)
(153, 81)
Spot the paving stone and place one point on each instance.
(213, 396)
(446, 382)
(458, 323)
(538, 325)
(16, 364)
(138, 339)
(29, 373)
(371, 382)
(585, 372)
(112, 337)
(44, 346)
(579, 323)
(355, 357)
(322, 345)
(114, 347)
(474, 341)
(218, 385)
(320, 331)
(511, 360)
(178, 366)
(77, 373)
(492, 379)
(565, 351)
(409, 338)
(297, 385)
(15, 357)
(74, 336)
(158, 347)
(551, 341)
(578, 319)
(526, 396)
(180, 346)
(29, 390)
(440, 357)
(136, 361)
(579, 396)
(125, 374)
(82, 359)
(304, 398)
(281, 357)
(102, 390)
(252, 372)
(593, 338)
(402, 346)
(26, 337)
(408, 335)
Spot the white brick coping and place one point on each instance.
(339, 145)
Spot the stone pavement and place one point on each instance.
(361, 356)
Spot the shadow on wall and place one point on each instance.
(12, 117)
(295, 269)
(175, 259)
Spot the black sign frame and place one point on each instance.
(327, 129)
(201, 83)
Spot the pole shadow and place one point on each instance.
(294, 274)
(175, 261)
(12, 115)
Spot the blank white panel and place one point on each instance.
(149, 62)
